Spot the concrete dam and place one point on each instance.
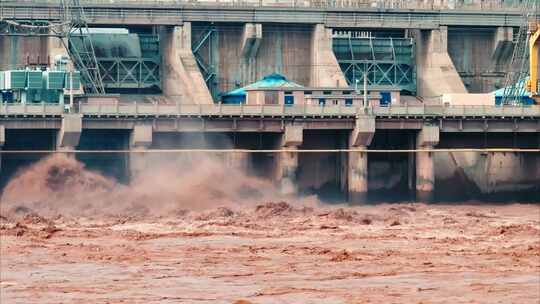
(358, 101)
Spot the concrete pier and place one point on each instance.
(286, 163)
(358, 176)
(360, 139)
(2, 141)
(427, 139)
(238, 161)
(140, 139)
(70, 132)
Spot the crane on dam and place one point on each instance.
(522, 75)
(533, 85)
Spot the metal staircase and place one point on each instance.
(518, 70)
(80, 47)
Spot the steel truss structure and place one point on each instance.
(129, 73)
(388, 63)
(202, 49)
(71, 28)
(80, 47)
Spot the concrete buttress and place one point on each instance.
(70, 132)
(286, 162)
(182, 79)
(427, 139)
(325, 69)
(436, 73)
(357, 176)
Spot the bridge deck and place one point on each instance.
(212, 110)
(247, 118)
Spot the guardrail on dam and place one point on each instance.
(212, 110)
(176, 15)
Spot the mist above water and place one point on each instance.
(61, 185)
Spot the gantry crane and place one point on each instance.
(534, 47)
(521, 66)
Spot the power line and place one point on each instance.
(222, 151)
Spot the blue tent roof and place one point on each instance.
(520, 87)
(270, 81)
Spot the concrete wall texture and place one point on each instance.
(283, 49)
(471, 53)
(19, 52)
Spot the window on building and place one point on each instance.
(289, 100)
(271, 97)
(322, 102)
(348, 102)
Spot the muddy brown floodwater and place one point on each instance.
(277, 253)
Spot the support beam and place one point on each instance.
(363, 131)
(140, 139)
(325, 69)
(357, 176)
(286, 163)
(436, 71)
(427, 139)
(182, 79)
(70, 132)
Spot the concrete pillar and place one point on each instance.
(2, 142)
(182, 80)
(251, 40)
(360, 139)
(140, 140)
(427, 138)
(436, 73)
(325, 70)
(287, 162)
(238, 161)
(358, 175)
(70, 132)
(503, 46)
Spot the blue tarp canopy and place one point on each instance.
(272, 81)
(523, 96)
(520, 88)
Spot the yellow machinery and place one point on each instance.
(534, 47)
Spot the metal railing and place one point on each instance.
(176, 12)
(307, 111)
(505, 5)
